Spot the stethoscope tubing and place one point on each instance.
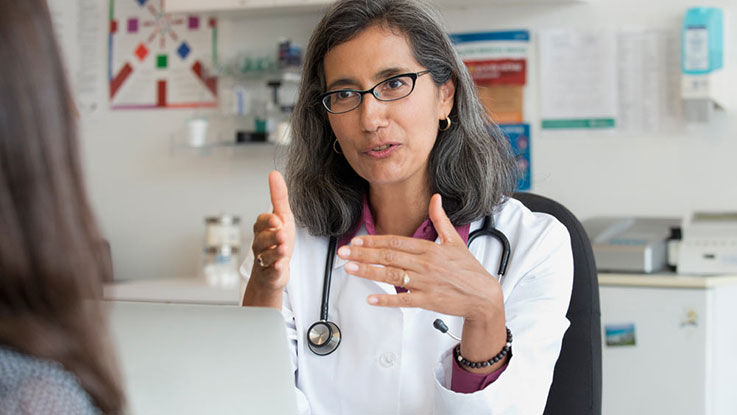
(327, 277)
(488, 229)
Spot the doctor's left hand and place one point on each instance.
(444, 277)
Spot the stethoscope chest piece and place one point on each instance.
(323, 337)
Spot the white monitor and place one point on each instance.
(202, 359)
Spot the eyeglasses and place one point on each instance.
(391, 89)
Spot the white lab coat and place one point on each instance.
(392, 361)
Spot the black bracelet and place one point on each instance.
(461, 360)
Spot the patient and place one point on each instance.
(55, 353)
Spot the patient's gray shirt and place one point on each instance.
(29, 385)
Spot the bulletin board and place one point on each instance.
(158, 59)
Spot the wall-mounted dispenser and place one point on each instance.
(706, 84)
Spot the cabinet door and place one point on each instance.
(665, 370)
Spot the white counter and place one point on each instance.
(172, 290)
(665, 280)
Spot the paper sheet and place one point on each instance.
(578, 79)
(76, 23)
(643, 78)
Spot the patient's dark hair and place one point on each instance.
(52, 261)
(471, 165)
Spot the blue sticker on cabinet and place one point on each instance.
(620, 334)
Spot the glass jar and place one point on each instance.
(220, 266)
(222, 230)
(221, 251)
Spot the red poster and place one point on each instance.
(498, 71)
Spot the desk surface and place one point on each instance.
(172, 290)
(669, 280)
(197, 291)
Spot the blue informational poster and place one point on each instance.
(519, 137)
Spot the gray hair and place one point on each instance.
(471, 164)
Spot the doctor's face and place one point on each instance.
(386, 142)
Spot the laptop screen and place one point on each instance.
(198, 359)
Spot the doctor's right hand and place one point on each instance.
(273, 243)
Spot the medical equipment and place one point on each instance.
(323, 336)
(630, 244)
(709, 244)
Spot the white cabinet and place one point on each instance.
(684, 357)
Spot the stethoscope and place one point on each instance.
(323, 336)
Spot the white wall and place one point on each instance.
(600, 173)
(151, 203)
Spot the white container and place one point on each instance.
(197, 131)
(222, 230)
(220, 266)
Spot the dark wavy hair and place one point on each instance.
(52, 261)
(471, 164)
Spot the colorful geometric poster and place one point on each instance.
(497, 62)
(160, 60)
(519, 138)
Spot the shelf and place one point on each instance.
(222, 144)
(220, 134)
(239, 8)
(177, 145)
(285, 76)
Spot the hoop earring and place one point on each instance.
(335, 148)
(447, 125)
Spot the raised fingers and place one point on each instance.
(379, 256)
(390, 275)
(270, 256)
(266, 221)
(398, 243)
(408, 299)
(443, 225)
(279, 196)
(268, 238)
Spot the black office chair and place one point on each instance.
(576, 387)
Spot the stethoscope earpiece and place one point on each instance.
(323, 337)
(441, 327)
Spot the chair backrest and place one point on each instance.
(576, 387)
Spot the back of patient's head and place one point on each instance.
(50, 257)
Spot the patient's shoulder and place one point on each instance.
(29, 385)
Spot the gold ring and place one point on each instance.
(260, 260)
(405, 279)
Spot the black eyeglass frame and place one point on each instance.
(412, 75)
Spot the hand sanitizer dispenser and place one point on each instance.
(705, 81)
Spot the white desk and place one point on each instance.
(684, 361)
(172, 290)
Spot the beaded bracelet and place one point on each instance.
(461, 360)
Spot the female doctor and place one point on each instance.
(394, 164)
